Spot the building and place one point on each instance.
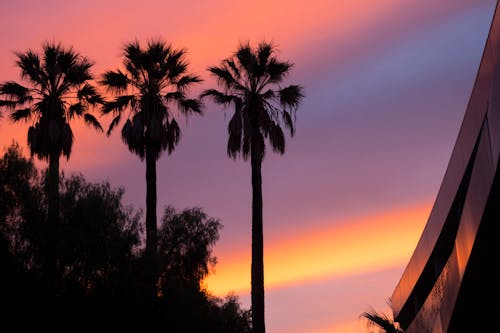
(451, 283)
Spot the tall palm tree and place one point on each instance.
(155, 79)
(250, 81)
(57, 89)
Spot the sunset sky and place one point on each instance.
(386, 84)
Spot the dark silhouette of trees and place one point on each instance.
(57, 90)
(18, 190)
(186, 240)
(250, 81)
(155, 79)
(99, 236)
(98, 239)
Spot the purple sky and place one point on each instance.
(386, 88)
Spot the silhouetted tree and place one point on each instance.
(186, 240)
(97, 239)
(155, 77)
(382, 321)
(57, 90)
(18, 191)
(102, 282)
(250, 81)
(234, 318)
(99, 236)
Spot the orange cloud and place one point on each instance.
(357, 246)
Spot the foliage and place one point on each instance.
(186, 240)
(155, 79)
(98, 234)
(250, 81)
(56, 90)
(101, 259)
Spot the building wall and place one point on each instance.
(436, 283)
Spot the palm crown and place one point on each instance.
(250, 80)
(58, 90)
(155, 77)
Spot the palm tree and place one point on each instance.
(57, 90)
(250, 81)
(155, 78)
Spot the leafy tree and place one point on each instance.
(18, 190)
(154, 80)
(57, 90)
(186, 240)
(99, 236)
(250, 81)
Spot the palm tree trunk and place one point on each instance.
(258, 325)
(53, 221)
(151, 228)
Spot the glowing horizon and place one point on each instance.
(394, 234)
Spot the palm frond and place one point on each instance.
(92, 121)
(51, 52)
(277, 139)
(89, 94)
(288, 121)
(277, 70)
(31, 69)
(156, 52)
(235, 131)
(223, 75)
(76, 109)
(173, 135)
(86, 92)
(119, 104)
(8, 103)
(382, 321)
(133, 136)
(268, 94)
(14, 90)
(95, 100)
(263, 52)
(175, 56)
(187, 80)
(176, 70)
(231, 65)
(134, 53)
(190, 105)
(79, 73)
(174, 95)
(113, 123)
(135, 71)
(218, 97)
(247, 59)
(290, 96)
(66, 140)
(115, 81)
(65, 58)
(21, 114)
(176, 64)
